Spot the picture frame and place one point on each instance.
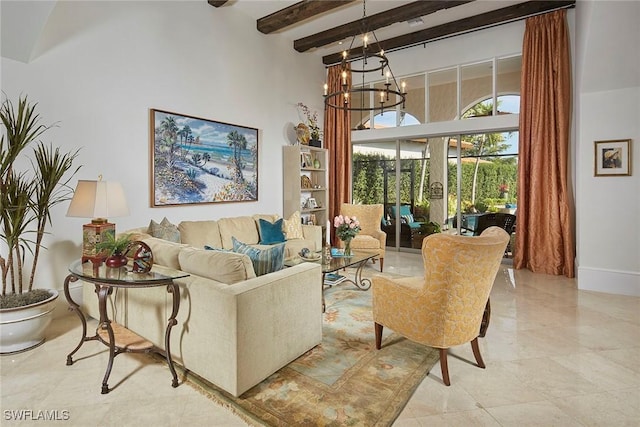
(311, 203)
(198, 161)
(612, 157)
(307, 161)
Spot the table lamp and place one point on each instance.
(97, 200)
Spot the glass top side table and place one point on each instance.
(115, 336)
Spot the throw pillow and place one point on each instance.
(264, 260)
(165, 230)
(408, 219)
(293, 227)
(271, 232)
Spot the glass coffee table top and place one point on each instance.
(336, 263)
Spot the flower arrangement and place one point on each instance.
(312, 120)
(346, 227)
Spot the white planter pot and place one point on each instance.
(23, 328)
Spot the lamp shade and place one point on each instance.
(98, 199)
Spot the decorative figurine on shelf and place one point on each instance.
(302, 134)
(346, 229)
(312, 123)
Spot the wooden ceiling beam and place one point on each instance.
(472, 23)
(373, 22)
(297, 13)
(217, 3)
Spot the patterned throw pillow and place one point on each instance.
(293, 227)
(270, 232)
(407, 219)
(264, 260)
(165, 230)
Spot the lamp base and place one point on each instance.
(92, 234)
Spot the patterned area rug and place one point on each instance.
(343, 381)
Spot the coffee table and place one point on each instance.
(337, 263)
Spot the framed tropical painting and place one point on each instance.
(195, 160)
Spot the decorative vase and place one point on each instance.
(347, 247)
(116, 261)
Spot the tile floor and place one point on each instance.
(554, 356)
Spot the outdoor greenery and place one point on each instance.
(27, 194)
(371, 172)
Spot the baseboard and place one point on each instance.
(609, 281)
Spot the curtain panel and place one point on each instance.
(545, 230)
(337, 138)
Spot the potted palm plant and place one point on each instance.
(26, 198)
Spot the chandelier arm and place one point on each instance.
(342, 99)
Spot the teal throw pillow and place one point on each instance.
(264, 260)
(270, 233)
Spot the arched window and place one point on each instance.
(389, 119)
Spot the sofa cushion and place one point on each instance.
(293, 227)
(264, 260)
(270, 232)
(224, 267)
(243, 228)
(164, 252)
(164, 230)
(200, 233)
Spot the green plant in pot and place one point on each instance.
(115, 249)
(31, 185)
(431, 227)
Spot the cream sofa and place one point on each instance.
(234, 329)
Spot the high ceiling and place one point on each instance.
(319, 27)
(326, 27)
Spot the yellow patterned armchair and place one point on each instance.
(445, 307)
(371, 239)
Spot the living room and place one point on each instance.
(96, 68)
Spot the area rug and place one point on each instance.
(344, 381)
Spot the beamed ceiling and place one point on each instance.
(326, 27)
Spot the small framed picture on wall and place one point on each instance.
(612, 157)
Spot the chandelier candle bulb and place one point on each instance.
(358, 62)
(326, 88)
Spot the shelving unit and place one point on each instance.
(305, 177)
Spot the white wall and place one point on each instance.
(100, 66)
(608, 107)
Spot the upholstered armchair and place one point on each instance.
(371, 239)
(445, 307)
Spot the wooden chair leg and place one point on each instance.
(486, 317)
(476, 353)
(444, 367)
(378, 328)
(381, 264)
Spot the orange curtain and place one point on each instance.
(544, 236)
(337, 139)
